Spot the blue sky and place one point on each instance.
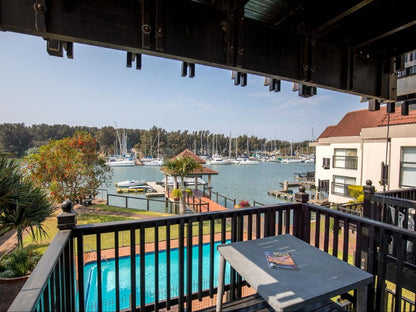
(97, 89)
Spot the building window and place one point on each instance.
(340, 185)
(408, 167)
(323, 186)
(326, 163)
(345, 158)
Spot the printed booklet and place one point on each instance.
(280, 260)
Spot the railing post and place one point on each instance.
(302, 216)
(67, 219)
(368, 210)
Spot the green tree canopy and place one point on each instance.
(69, 168)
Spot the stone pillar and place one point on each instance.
(67, 219)
(301, 196)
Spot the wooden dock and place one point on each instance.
(281, 194)
(213, 206)
(159, 190)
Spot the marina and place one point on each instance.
(251, 183)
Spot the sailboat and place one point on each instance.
(247, 160)
(123, 159)
(154, 161)
(291, 159)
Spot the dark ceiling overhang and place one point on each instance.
(350, 46)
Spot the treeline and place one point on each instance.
(18, 139)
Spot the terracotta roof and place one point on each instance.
(398, 119)
(327, 132)
(354, 122)
(188, 153)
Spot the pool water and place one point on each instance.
(109, 282)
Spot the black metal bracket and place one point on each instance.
(239, 78)
(40, 15)
(131, 57)
(56, 47)
(274, 84)
(306, 91)
(185, 67)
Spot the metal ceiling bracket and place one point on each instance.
(373, 105)
(40, 15)
(69, 48)
(131, 57)
(54, 47)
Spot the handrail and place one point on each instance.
(32, 290)
(300, 220)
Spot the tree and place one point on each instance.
(23, 205)
(183, 167)
(69, 168)
(15, 138)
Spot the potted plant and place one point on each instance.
(176, 193)
(242, 204)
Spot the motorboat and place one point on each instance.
(247, 161)
(188, 181)
(130, 183)
(153, 162)
(120, 162)
(218, 160)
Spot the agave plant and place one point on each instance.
(23, 205)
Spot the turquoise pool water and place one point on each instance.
(109, 282)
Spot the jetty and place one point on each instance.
(159, 191)
(281, 194)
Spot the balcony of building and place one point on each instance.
(174, 276)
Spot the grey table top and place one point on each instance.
(319, 276)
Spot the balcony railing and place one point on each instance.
(59, 282)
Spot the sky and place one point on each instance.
(96, 89)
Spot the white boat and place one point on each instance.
(120, 162)
(153, 162)
(247, 161)
(291, 160)
(310, 160)
(218, 160)
(130, 183)
(188, 181)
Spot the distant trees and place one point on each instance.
(69, 168)
(14, 138)
(17, 138)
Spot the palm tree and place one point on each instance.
(23, 205)
(183, 167)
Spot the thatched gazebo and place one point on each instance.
(195, 173)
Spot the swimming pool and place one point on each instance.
(108, 277)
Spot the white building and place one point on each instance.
(353, 151)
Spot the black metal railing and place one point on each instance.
(346, 162)
(222, 199)
(146, 203)
(379, 248)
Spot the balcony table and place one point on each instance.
(319, 277)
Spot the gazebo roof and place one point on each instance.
(196, 172)
(188, 153)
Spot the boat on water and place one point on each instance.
(218, 160)
(291, 160)
(246, 161)
(120, 162)
(152, 161)
(121, 157)
(188, 181)
(131, 183)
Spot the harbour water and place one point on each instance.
(251, 182)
